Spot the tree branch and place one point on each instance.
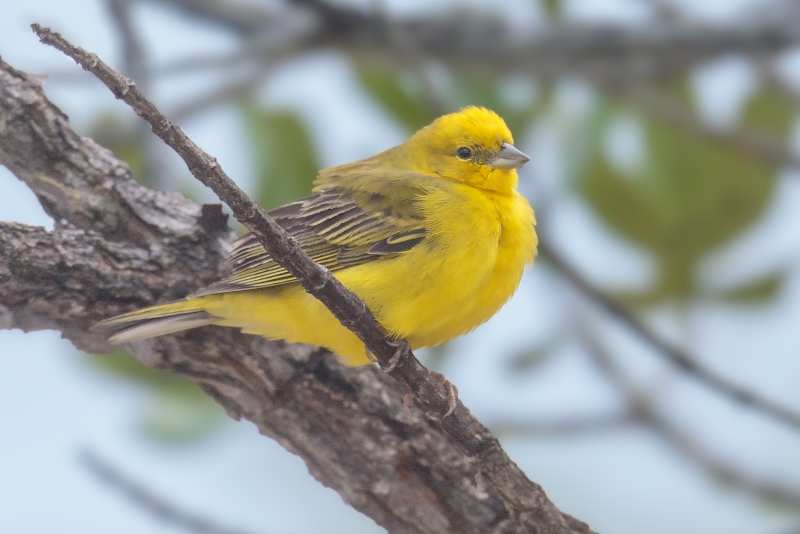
(759, 145)
(576, 426)
(688, 363)
(647, 413)
(406, 470)
(479, 42)
(231, 90)
(153, 171)
(68, 279)
(142, 497)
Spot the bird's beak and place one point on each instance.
(508, 158)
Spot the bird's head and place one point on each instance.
(472, 146)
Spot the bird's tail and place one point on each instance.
(155, 321)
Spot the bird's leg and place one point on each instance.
(452, 392)
(371, 357)
(402, 346)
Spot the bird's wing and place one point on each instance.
(338, 228)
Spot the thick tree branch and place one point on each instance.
(409, 472)
(70, 278)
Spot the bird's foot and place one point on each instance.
(402, 346)
(452, 392)
(371, 357)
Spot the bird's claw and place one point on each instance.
(402, 346)
(452, 393)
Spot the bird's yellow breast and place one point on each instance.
(469, 265)
(465, 270)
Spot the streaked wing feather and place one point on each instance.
(399, 242)
(337, 228)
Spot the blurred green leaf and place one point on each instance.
(122, 364)
(691, 195)
(581, 139)
(182, 414)
(527, 359)
(769, 112)
(180, 410)
(285, 159)
(756, 292)
(552, 8)
(398, 92)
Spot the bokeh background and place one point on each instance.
(663, 176)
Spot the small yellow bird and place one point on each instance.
(431, 234)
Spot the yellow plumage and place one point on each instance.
(431, 234)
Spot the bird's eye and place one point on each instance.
(464, 153)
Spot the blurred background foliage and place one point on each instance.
(179, 412)
(687, 196)
(660, 181)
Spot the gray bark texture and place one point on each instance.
(117, 245)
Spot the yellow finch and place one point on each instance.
(431, 234)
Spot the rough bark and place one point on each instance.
(117, 246)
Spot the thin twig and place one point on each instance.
(563, 428)
(646, 412)
(136, 66)
(229, 91)
(686, 362)
(244, 17)
(155, 505)
(775, 80)
(134, 61)
(663, 10)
